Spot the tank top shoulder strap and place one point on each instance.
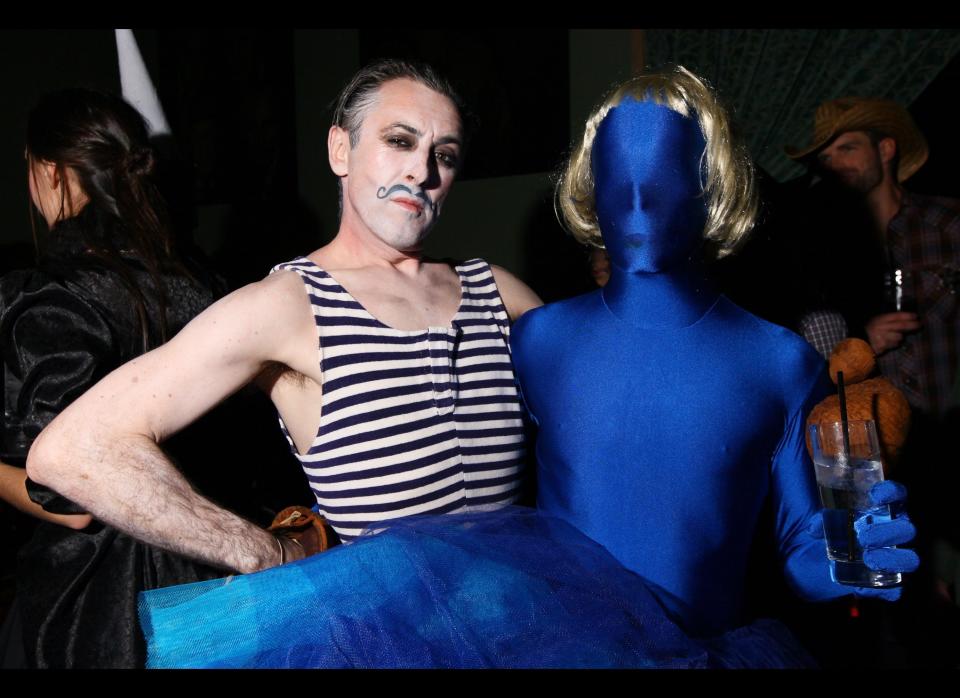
(480, 292)
(330, 300)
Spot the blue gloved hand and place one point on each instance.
(877, 535)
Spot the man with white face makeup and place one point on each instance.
(408, 407)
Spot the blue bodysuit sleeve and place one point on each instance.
(796, 506)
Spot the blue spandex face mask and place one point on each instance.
(646, 161)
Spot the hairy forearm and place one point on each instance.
(130, 484)
(13, 490)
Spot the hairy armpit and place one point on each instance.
(274, 371)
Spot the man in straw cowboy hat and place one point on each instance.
(871, 146)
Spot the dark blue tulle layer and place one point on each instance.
(509, 588)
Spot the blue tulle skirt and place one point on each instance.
(509, 588)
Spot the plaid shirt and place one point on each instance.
(924, 240)
(824, 329)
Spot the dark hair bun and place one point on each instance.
(139, 161)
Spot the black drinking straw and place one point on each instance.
(845, 426)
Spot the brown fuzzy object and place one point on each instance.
(875, 399)
(855, 358)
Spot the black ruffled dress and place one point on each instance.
(63, 327)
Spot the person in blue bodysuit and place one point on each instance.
(667, 414)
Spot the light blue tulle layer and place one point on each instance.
(509, 588)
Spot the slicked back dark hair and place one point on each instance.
(355, 99)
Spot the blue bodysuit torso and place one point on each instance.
(661, 444)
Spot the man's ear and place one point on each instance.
(888, 148)
(338, 150)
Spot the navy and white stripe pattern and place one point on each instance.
(412, 422)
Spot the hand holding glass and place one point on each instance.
(845, 475)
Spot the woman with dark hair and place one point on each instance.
(108, 287)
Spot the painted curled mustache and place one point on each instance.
(383, 193)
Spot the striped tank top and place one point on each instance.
(412, 422)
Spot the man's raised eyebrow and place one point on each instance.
(399, 124)
(416, 132)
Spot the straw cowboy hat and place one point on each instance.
(861, 114)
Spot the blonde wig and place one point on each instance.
(729, 189)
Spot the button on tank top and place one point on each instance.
(412, 421)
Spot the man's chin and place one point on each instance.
(852, 183)
(408, 244)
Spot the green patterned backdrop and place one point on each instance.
(773, 79)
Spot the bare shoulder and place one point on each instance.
(517, 297)
(273, 291)
(277, 302)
